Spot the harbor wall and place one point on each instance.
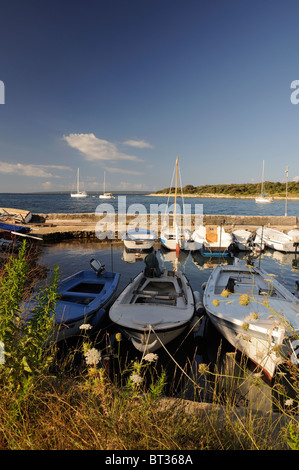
(57, 227)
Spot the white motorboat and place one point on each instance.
(177, 239)
(277, 240)
(106, 195)
(154, 310)
(263, 197)
(255, 313)
(139, 239)
(78, 193)
(212, 240)
(242, 240)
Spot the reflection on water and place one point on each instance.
(205, 345)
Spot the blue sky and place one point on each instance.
(126, 86)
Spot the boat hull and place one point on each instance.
(257, 323)
(153, 311)
(277, 240)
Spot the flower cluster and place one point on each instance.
(244, 299)
(92, 356)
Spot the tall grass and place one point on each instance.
(79, 400)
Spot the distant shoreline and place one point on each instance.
(220, 196)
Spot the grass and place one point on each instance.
(75, 399)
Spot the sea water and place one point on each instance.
(44, 203)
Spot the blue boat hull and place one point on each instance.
(84, 299)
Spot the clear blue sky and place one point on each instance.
(126, 86)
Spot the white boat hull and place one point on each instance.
(257, 328)
(264, 200)
(78, 195)
(139, 244)
(212, 240)
(152, 312)
(242, 240)
(277, 240)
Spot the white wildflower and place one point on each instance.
(136, 378)
(151, 357)
(92, 356)
(289, 402)
(85, 326)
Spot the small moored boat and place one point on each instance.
(139, 239)
(84, 297)
(212, 240)
(277, 240)
(155, 308)
(255, 313)
(242, 240)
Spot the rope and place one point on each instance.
(173, 359)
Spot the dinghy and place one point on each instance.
(277, 240)
(84, 298)
(255, 313)
(155, 308)
(212, 240)
(242, 240)
(139, 239)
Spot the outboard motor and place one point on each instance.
(97, 266)
(152, 268)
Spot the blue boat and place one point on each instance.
(14, 228)
(84, 299)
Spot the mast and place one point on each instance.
(262, 187)
(104, 182)
(177, 247)
(78, 180)
(286, 203)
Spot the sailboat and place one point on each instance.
(106, 195)
(263, 197)
(173, 238)
(78, 193)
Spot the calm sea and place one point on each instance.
(63, 203)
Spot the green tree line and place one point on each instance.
(242, 189)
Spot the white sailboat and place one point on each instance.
(263, 198)
(106, 195)
(79, 193)
(173, 238)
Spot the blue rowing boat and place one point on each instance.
(84, 298)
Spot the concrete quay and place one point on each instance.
(57, 227)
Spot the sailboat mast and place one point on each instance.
(78, 180)
(104, 182)
(262, 187)
(176, 183)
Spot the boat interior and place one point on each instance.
(159, 291)
(246, 284)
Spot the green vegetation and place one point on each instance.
(75, 399)
(246, 189)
